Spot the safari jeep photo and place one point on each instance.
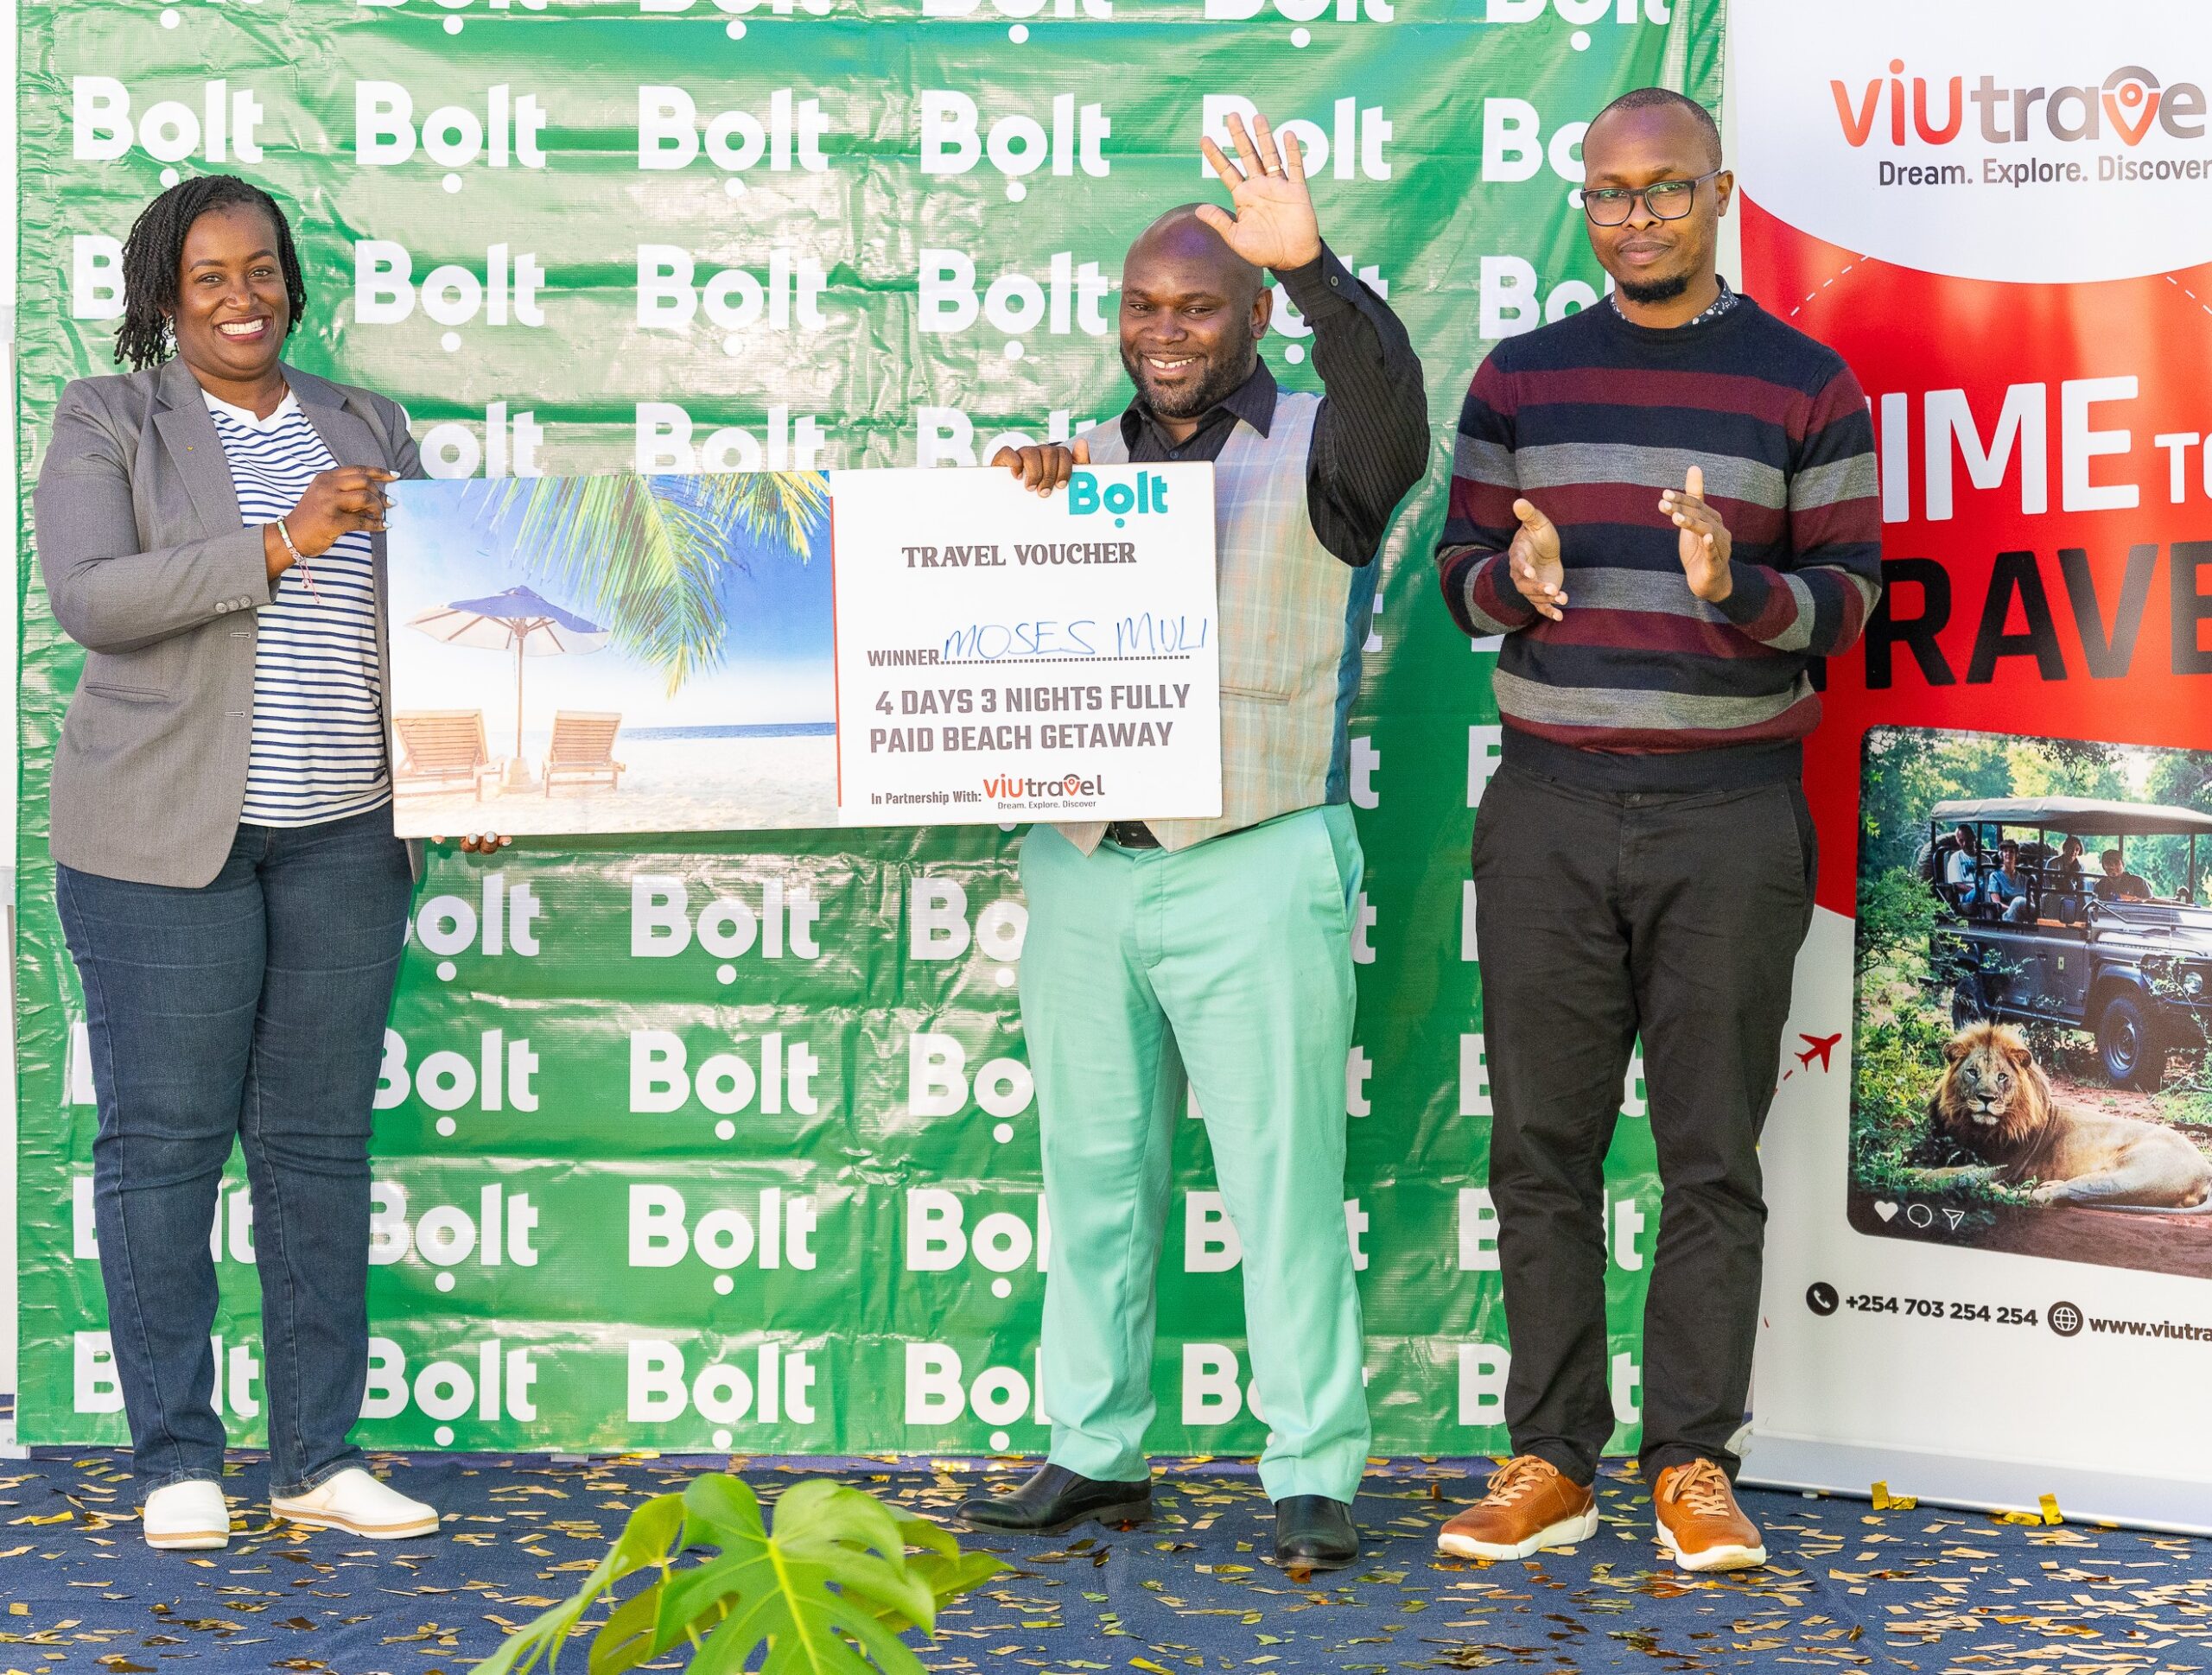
(2030, 1070)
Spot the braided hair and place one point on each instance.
(154, 250)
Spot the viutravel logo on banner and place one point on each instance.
(1935, 138)
(2124, 106)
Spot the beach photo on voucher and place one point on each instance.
(619, 653)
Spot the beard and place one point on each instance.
(1222, 379)
(1656, 290)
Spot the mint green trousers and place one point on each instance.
(1228, 962)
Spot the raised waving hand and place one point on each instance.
(1273, 226)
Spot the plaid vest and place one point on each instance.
(1293, 618)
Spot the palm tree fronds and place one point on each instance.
(648, 557)
(785, 506)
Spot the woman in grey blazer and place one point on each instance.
(211, 530)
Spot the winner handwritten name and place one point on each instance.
(986, 555)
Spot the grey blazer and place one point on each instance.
(149, 568)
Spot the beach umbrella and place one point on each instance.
(517, 620)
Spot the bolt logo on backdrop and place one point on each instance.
(508, 133)
(729, 1139)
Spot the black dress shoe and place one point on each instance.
(1313, 1533)
(1055, 1499)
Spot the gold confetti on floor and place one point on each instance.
(1849, 1586)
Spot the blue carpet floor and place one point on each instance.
(1919, 1589)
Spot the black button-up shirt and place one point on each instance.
(1370, 438)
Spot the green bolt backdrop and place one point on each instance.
(851, 1260)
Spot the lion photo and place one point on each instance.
(1994, 1101)
(2030, 1070)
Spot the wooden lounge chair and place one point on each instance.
(583, 750)
(441, 750)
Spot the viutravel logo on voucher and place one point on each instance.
(1005, 787)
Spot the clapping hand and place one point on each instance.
(1533, 562)
(1704, 540)
(1273, 225)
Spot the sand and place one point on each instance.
(667, 785)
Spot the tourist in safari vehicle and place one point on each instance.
(2030, 933)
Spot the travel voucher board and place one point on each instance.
(1009, 656)
(1995, 1159)
(702, 1138)
(724, 652)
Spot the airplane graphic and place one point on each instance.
(1818, 1046)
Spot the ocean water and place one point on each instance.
(766, 730)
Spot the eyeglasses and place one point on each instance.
(1667, 200)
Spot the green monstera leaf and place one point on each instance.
(829, 1592)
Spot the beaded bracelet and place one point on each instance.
(298, 558)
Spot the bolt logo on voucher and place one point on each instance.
(1966, 118)
(1147, 493)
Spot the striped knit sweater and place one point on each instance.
(1644, 686)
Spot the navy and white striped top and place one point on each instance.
(318, 751)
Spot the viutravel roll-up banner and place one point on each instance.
(728, 1140)
(1990, 1258)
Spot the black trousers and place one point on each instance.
(1603, 916)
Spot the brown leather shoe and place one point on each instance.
(1531, 1505)
(1700, 1523)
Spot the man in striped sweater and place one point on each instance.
(1665, 503)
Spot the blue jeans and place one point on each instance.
(253, 1010)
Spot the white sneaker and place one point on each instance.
(190, 1515)
(359, 1505)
